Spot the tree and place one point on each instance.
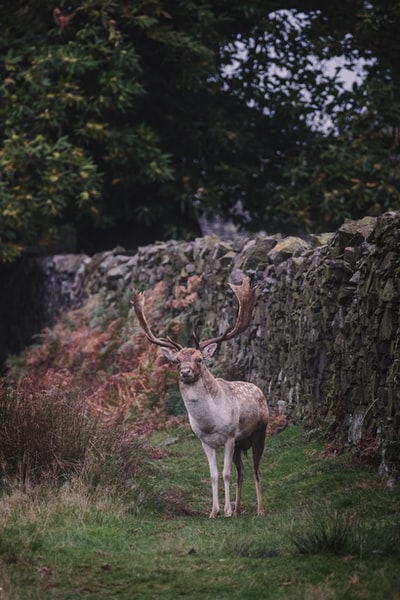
(151, 112)
(68, 141)
(107, 107)
(332, 152)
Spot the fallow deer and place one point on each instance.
(232, 414)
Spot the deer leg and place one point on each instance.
(258, 449)
(237, 459)
(229, 449)
(211, 454)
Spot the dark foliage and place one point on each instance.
(146, 115)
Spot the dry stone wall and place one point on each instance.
(324, 340)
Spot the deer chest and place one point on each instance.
(212, 428)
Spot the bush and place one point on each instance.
(51, 436)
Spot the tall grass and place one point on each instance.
(326, 530)
(43, 436)
(53, 436)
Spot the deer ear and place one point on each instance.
(209, 351)
(170, 354)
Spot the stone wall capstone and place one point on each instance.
(324, 339)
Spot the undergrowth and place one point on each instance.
(107, 359)
(54, 435)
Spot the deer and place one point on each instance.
(228, 414)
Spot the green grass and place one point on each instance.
(72, 542)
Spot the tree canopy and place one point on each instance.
(148, 113)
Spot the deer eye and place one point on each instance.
(198, 360)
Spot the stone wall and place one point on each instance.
(324, 340)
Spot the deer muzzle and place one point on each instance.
(187, 375)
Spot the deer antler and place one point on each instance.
(138, 302)
(246, 297)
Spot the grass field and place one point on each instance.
(331, 531)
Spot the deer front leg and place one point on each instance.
(228, 456)
(211, 454)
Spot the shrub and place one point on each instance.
(106, 358)
(53, 435)
(43, 435)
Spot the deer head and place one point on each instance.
(190, 361)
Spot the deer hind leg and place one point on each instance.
(258, 449)
(237, 459)
(211, 454)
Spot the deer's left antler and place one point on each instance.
(246, 296)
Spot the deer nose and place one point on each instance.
(186, 372)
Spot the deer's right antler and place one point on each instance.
(138, 302)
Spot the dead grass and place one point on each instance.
(43, 436)
(53, 436)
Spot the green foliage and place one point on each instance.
(329, 152)
(339, 175)
(68, 141)
(156, 112)
(42, 181)
(173, 402)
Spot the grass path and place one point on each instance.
(74, 543)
